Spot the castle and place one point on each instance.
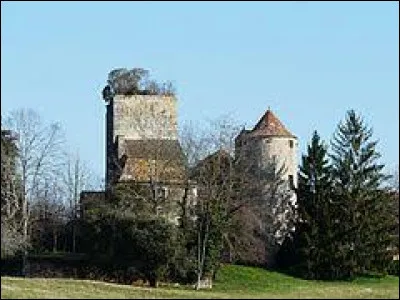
(143, 149)
(142, 146)
(144, 127)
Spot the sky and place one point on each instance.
(309, 62)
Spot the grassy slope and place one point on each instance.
(232, 282)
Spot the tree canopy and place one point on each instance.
(134, 81)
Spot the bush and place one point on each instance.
(394, 268)
(11, 266)
(182, 270)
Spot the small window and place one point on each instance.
(164, 192)
(291, 144)
(158, 210)
(291, 182)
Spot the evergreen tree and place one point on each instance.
(315, 234)
(365, 221)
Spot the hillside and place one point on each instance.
(232, 282)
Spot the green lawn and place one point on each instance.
(232, 282)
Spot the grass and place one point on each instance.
(232, 282)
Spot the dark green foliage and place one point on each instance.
(127, 231)
(287, 256)
(394, 268)
(354, 157)
(137, 244)
(315, 237)
(131, 200)
(345, 220)
(155, 242)
(11, 265)
(183, 268)
(215, 243)
(365, 223)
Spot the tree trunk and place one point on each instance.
(202, 244)
(54, 240)
(25, 213)
(199, 266)
(76, 199)
(73, 237)
(153, 282)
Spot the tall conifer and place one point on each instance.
(315, 235)
(365, 221)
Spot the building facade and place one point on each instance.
(140, 129)
(143, 150)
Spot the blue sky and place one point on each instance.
(309, 61)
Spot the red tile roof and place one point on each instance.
(269, 125)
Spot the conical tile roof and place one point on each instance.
(269, 125)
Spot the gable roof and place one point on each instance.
(270, 125)
(154, 149)
(218, 161)
(160, 159)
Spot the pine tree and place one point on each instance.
(365, 223)
(315, 234)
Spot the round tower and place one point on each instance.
(276, 143)
(264, 150)
(269, 141)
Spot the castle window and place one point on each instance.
(164, 192)
(158, 210)
(291, 144)
(291, 182)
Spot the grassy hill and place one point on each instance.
(232, 282)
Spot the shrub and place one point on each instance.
(394, 268)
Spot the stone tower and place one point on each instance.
(139, 118)
(269, 143)
(269, 140)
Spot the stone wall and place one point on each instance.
(137, 117)
(284, 149)
(145, 117)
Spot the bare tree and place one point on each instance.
(9, 196)
(47, 218)
(11, 233)
(75, 177)
(39, 148)
(231, 185)
(194, 142)
(225, 185)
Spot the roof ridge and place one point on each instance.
(270, 125)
